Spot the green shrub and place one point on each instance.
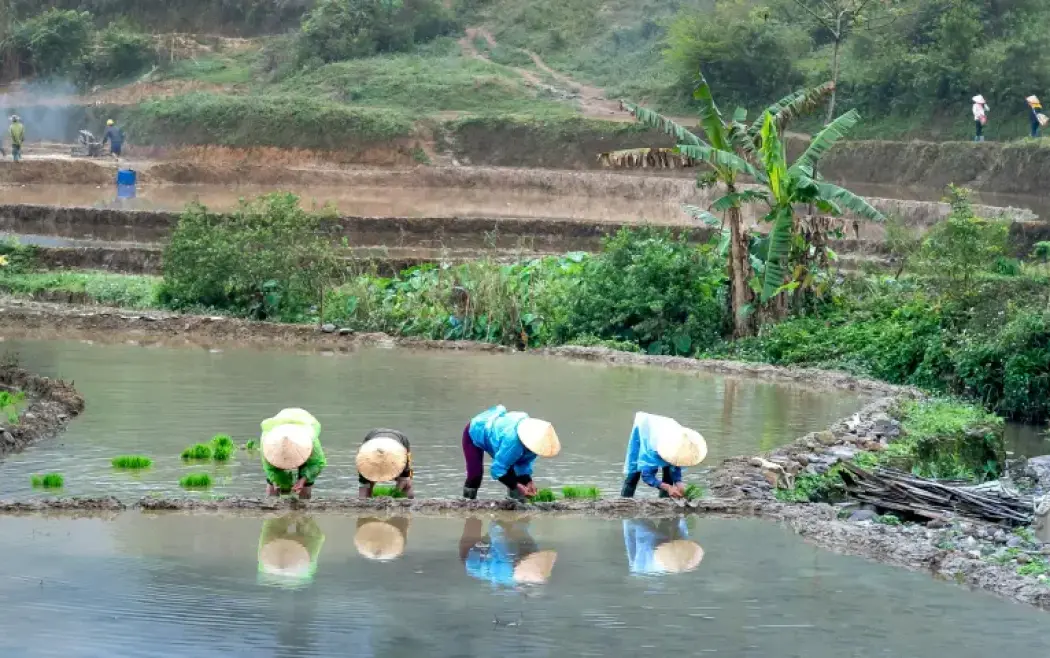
(48, 481)
(888, 519)
(197, 451)
(132, 462)
(587, 492)
(387, 491)
(54, 42)
(119, 53)
(963, 244)
(269, 259)
(18, 257)
(950, 440)
(543, 496)
(195, 481)
(10, 403)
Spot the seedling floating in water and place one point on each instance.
(195, 481)
(222, 453)
(543, 496)
(581, 493)
(48, 481)
(387, 491)
(222, 441)
(132, 462)
(252, 444)
(197, 451)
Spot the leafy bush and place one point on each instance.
(48, 481)
(10, 403)
(197, 451)
(195, 481)
(963, 244)
(269, 259)
(952, 440)
(54, 42)
(18, 257)
(119, 53)
(132, 462)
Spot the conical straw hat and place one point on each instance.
(678, 556)
(287, 447)
(286, 558)
(379, 540)
(539, 436)
(677, 445)
(382, 458)
(535, 569)
(978, 99)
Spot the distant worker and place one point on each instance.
(980, 116)
(384, 456)
(513, 440)
(660, 445)
(115, 136)
(292, 457)
(18, 137)
(1035, 117)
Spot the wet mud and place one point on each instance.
(51, 404)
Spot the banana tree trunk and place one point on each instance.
(742, 298)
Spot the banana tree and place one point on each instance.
(731, 148)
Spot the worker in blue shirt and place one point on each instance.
(659, 445)
(513, 440)
(659, 546)
(507, 557)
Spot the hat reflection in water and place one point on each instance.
(381, 540)
(660, 546)
(507, 557)
(288, 550)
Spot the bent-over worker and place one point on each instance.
(292, 457)
(385, 455)
(18, 137)
(660, 445)
(513, 440)
(115, 136)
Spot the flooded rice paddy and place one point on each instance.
(157, 400)
(201, 586)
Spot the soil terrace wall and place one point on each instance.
(52, 404)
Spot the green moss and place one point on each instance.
(809, 487)
(888, 519)
(1039, 566)
(197, 451)
(543, 496)
(132, 462)
(387, 491)
(195, 481)
(48, 481)
(581, 493)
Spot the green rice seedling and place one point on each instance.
(9, 403)
(581, 493)
(387, 491)
(543, 496)
(694, 492)
(197, 451)
(222, 441)
(48, 481)
(132, 462)
(252, 444)
(195, 481)
(222, 453)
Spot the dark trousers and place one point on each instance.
(475, 460)
(630, 483)
(980, 131)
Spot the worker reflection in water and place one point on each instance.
(660, 546)
(385, 455)
(18, 137)
(513, 440)
(292, 456)
(660, 445)
(288, 551)
(507, 556)
(115, 136)
(381, 539)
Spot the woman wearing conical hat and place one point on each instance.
(660, 546)
(288, 550)
(507, 557)
(659, 445)
(513, 440)
(381, 539)
(385, 455)
(292, 457)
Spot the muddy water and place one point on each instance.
(195, 586)
(365, 201)
(156, 401)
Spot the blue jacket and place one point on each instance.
(642, 455)
(641, 539)
(495, 431)
(495, 563)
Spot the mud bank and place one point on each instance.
(52, 403)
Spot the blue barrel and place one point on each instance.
(126, 177)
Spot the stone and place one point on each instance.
(843, 453)
(1038, 468)
(1024, 558)
(1013, 541)
(1000, 536)
(346, 331)
(974, 554)
(827, 438)
(969, 542)
(328, 328)
(862, 515)
(883, 425)
(937, 523)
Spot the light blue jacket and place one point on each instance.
(641, 539)
(641, 453)
(496, 563)
(495, 431)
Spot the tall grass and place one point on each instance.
(48, 481)
(132, 462)
(195, 481)
(197, 451)
(123, 290)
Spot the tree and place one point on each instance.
(733, 150)
(840, 18)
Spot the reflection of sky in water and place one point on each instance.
(181, 585)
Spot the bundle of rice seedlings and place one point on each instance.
(387, 491)
(581, 492)
(222, 441)
(222, 453)
(197, 451)
(48, 481)
(132, 462)
(195, 481)
(252, 444)
(693, 492)
(543, 496)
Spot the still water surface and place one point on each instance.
(178, 585)
(157, 400)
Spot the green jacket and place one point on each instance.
(310, 470)
(18, 133)
(307, 533)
